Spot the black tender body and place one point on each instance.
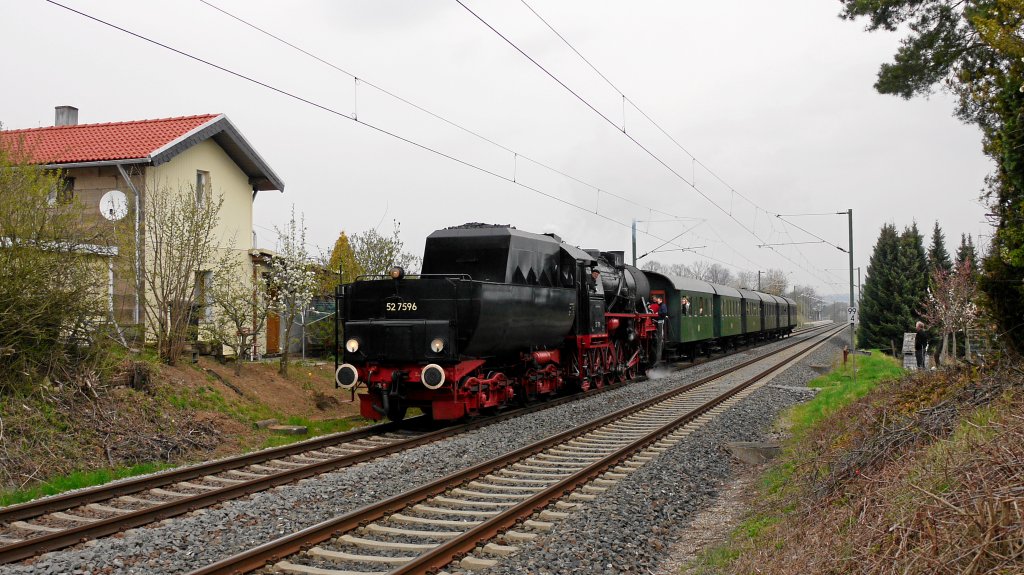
(489, 291)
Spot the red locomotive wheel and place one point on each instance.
(629, 372)
(611, 366)
(620, 362)
(597, 369)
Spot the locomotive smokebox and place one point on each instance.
(625, 287)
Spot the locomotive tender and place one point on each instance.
(500, 317)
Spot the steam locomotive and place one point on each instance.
(501, 317)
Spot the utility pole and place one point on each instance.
(634, 242)
(853, 302)
(759, 272)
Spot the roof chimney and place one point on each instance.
(65, 116)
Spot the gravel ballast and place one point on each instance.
(631, 527)
(186, 543)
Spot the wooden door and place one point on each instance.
(273, 333)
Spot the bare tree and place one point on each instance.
(745, 280)
(180, 245)
(775, 282)
(375, 253)
(701, 270)
(292, 280)
(950, 304)
(653, 266)
(719, 274)
(241, 308)
(681, 270)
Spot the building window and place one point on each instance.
(201, 292)
(63, 192)
(202, 187)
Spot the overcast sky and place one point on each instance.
(776, 99)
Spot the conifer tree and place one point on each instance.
(914, 270)
(883, 311)
(938, 257)
(342, 259)
(966, 252)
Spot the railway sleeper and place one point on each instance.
(530, 488)
(390, 545)
(378, 528)
(429, 509)
(412, 519)
(471, 503)
(289, 567)
(343, 556)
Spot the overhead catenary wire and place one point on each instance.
(363, 81)
(517, 155)
(341, 114)
(842, 249)
(695, 161)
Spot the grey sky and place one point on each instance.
(775, 98)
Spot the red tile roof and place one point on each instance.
(99, 142)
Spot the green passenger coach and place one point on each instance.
(728, 315)
(716, 316)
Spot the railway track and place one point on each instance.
(48, 524)
(482, 513)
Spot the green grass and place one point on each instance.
(208, 399)
(77, 480)
(315, 428)
(839, 389)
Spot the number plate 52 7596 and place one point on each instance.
(400, 306)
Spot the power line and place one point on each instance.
(692, 184)
(346, 116)
(381, 89)
(518, 155)
(813, 234)
(636, 106)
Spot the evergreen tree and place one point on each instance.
(966, 252)
(938, 257)
(884, 314)
(343, 258)
(914, 267)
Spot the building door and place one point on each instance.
(273, 333)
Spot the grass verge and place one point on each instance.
(838, 388)
(77, 480)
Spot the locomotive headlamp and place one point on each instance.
(346, 377)
(352, 345)
(397, 273)
(437, 345)
(432, 376)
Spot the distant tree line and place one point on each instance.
(773, 281)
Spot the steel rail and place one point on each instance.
(445, 553)
(271, 551)
(33, 546)
(81, 497)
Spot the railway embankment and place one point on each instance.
(57, 438)
(917, 474)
